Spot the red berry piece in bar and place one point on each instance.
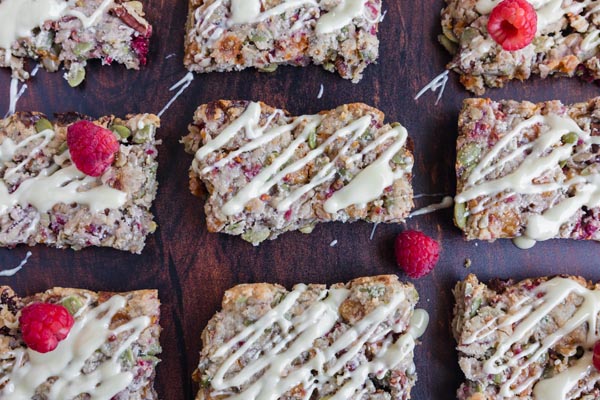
(596, 356)
(43, 325)
(513, 24)
(92, 147)
(416, 253)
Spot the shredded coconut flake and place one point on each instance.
(170, 56)
(11, 272)
(332, 244)
(321, 90)
(439, 82)
(183, 84)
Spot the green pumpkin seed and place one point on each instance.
(76, 76)
(307, 228)
(269, 68)
(255, 237)
(81, 49)
(460, 215)
(468, 154)
(121, 130)
(312, 140)
(143, 135)
(43, 125)
(570, 138)
(72, 304)
(128, 357)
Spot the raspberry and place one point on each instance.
(416, 253)
(140, 44)
(513, 24)
(92, 147)
(43, 325)
(596, 356)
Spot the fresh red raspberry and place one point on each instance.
(416, 253)
(92, 147)
(596, 356)
(43, 325)
(513, 24)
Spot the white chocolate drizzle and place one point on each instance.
(182, 84)
(366, 186)
(65, 363)
(521, 321)
(252, 12)
(53, 184)
(89, 21)
(542, 156)
(446, 202)
(13, 271)
(278, 375)
(437, 83)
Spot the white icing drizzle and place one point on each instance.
(53, 185)
(14, 95)
(521, 321)
(366, 186)
(182, 84)
(89, 21)
(249, 12)
(446, 202)
(12, 272)
(439, 82)
(545, 153)
(90, 331)
(279, 376)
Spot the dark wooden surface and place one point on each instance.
(192, 268)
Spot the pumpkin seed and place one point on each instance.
(460, 215)
(43, 125)
(121, 130)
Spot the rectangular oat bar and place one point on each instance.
(528, 340)
(349, 342)
(110, 351)
(227, 35)
(528, 171)
(70, 33)
(268, 173)
(565, 44)
(44, 198)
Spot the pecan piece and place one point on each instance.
(128, 15)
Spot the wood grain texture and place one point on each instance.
(192, 268)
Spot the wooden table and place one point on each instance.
(191, 268)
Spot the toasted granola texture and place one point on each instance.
(565, 44)
(120, 34)
(214, 43)
(75, 225)
(245, 304)
(260, 219)
(141, 357)
(479, 308)
(482, 124)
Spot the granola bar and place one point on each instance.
(110, 351)
(268, 173)
(351, 341)
(68, 33)
(45, 199)
(528, 340)
(228, 35)
(565, 44)
(528, 171)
